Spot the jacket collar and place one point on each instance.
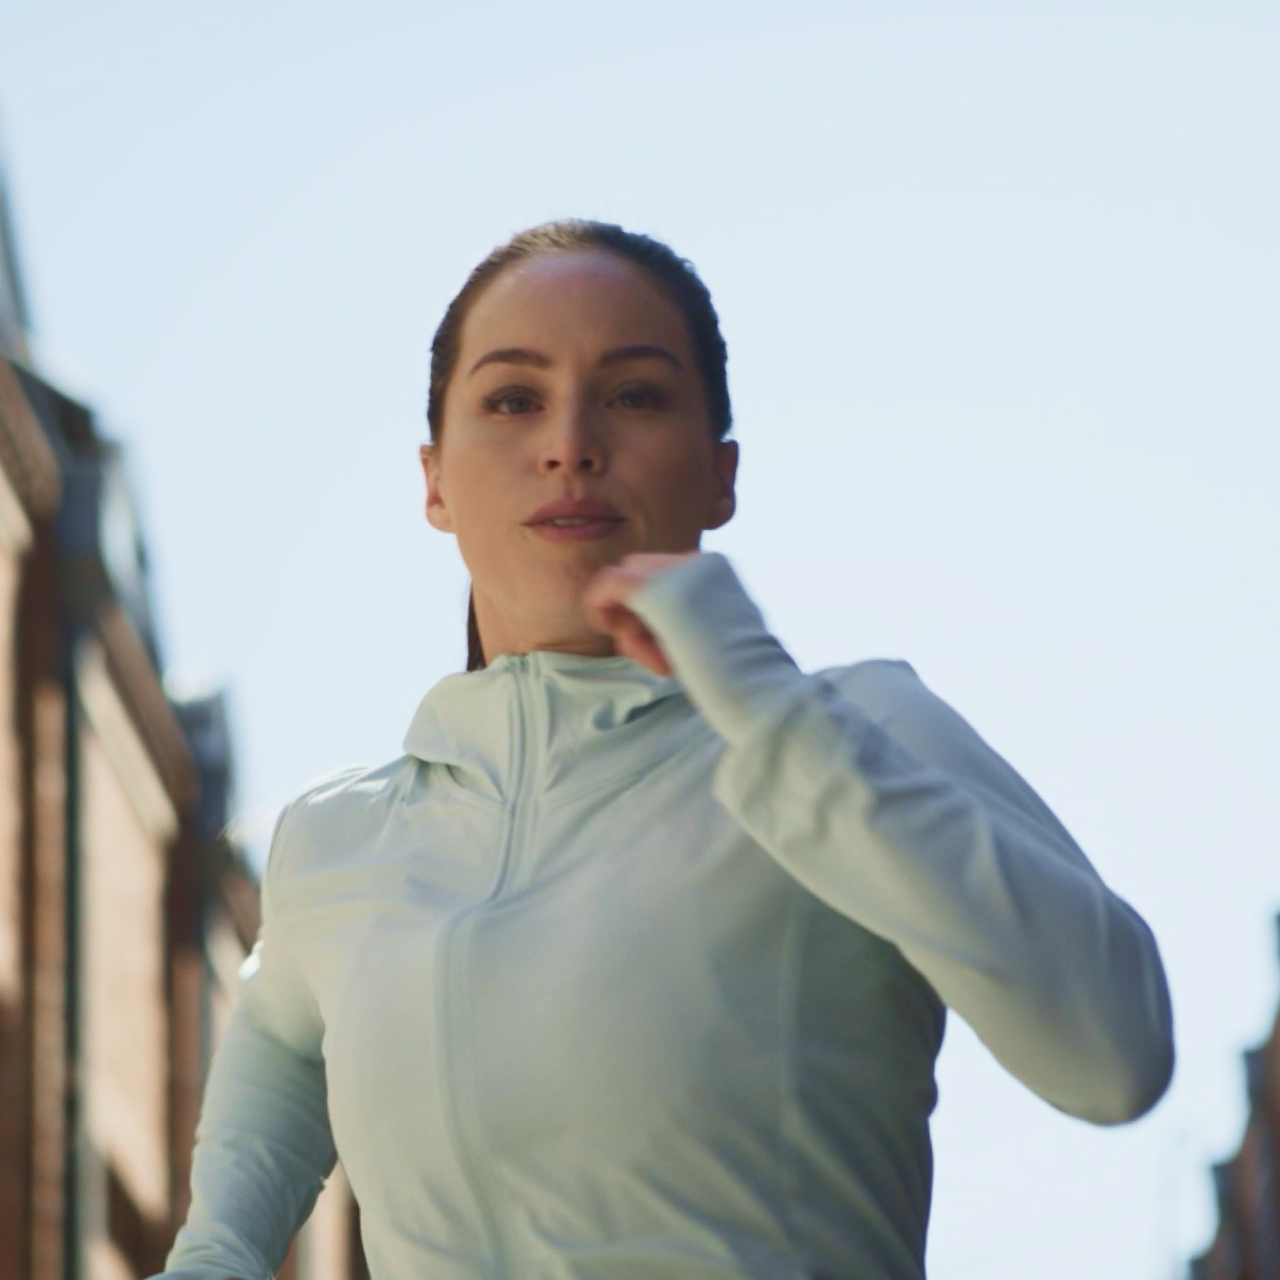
(560, 714)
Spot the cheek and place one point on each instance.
(483, 475)
(676, 477)
(479, 489)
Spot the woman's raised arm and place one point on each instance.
(263, 1146)
(888, 806)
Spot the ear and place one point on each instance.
(438, 515)
(725, 463)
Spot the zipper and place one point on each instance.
(457, 1046)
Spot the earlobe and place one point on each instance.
(436, 511)
(724, 509)
(726, 466)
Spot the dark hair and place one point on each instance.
(674, 275)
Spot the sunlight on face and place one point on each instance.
(575, 378)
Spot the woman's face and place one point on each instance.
(575, 379)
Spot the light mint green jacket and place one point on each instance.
(614, 976)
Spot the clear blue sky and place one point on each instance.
(1000, 288)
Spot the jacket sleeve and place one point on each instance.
(263, 1145)
(883, 802)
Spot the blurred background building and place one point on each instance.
(1247, 1243)
(125, 911)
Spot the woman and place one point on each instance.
(636, 963)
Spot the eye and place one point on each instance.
(639, 395)
(510, 401)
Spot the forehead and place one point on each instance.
(575, 301)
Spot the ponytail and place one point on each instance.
(475, 653)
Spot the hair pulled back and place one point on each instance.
(675, 276)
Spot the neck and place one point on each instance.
(497, 636)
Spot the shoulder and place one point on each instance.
(337, 814)
(882, 687)
(891, 694)
(894, 697)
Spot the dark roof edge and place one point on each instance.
(26, 455)
(153, 716)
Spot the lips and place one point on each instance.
(588, 509)
(585, 520)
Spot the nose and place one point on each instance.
(574, 441)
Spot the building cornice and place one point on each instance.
(32, 488)
(27, 459)
(130, 666)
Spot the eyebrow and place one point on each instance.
(512, 355)
(620, 355)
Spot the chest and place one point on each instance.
(572, 967)
(570, 1007)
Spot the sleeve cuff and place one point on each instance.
(733, 670)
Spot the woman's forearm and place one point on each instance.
(885, 803)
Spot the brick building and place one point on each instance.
(1246, 1245)
(124, 911)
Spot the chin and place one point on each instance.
(584, 559)
(554, 588)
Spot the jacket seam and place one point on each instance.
(464, 794)
(283, 939)
(274, 868)
(796, 930)
(273, 889)
(656, 767)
